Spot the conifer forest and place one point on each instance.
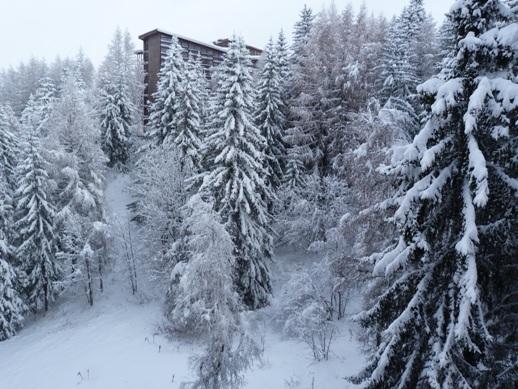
(340, 211)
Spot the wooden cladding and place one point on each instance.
(156, 44)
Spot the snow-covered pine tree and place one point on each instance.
(204, 95)
(446, 311)
(234, 154)
(283, 60)
(513, 4)
(78, 166)
(359, 42)
(115, 125)
(34, 224)
(331, 81)
(399, 74)
(294, 177)
(447, 45)
(134, 78)
(39, 107)
(188, 117)
(17, 84)
(284, 67)
(326, 101)
(409, 57)
(399, 79)
(269, 117)
(163, 117)
(12, 307)
(498, 220)
(114, 102)
(302, 31)
(9, 157)
(295, 138)
(8, 145)
(347, 76)
(419, 29)
(315, 111)
(84, 67)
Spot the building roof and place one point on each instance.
(179, 36)
(225, 42)
(219, 47)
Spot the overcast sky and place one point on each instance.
(47, 28)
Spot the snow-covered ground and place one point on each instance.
(115, 344)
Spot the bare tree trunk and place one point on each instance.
(130, 260)
(133, 259)
(100, 270)
(45, 287)
(89, 291)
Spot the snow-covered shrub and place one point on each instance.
(159, 189)
(230, 352)
(202, 286)
(307, 309)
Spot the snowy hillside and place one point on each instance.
(337, 209)
(116, 343)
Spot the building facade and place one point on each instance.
(157, 42)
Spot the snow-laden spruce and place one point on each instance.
(164, 110)
(444, 319)
(114, 102)
(303, 132)
(334, 76)
(188, 124)
(9, 156)
(35, 228)
(37, 111)
(8, 145)
(409, 57)
(115, 124)
(419, 29)
(236, 179)
(12, 307)
(270, 116)
(283, 63)
(134, 79)
(399, 79)
(202, 89)
(302, 31)
(332, 80)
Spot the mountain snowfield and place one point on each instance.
(116, 344)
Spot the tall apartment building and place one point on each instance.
(156, 44)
